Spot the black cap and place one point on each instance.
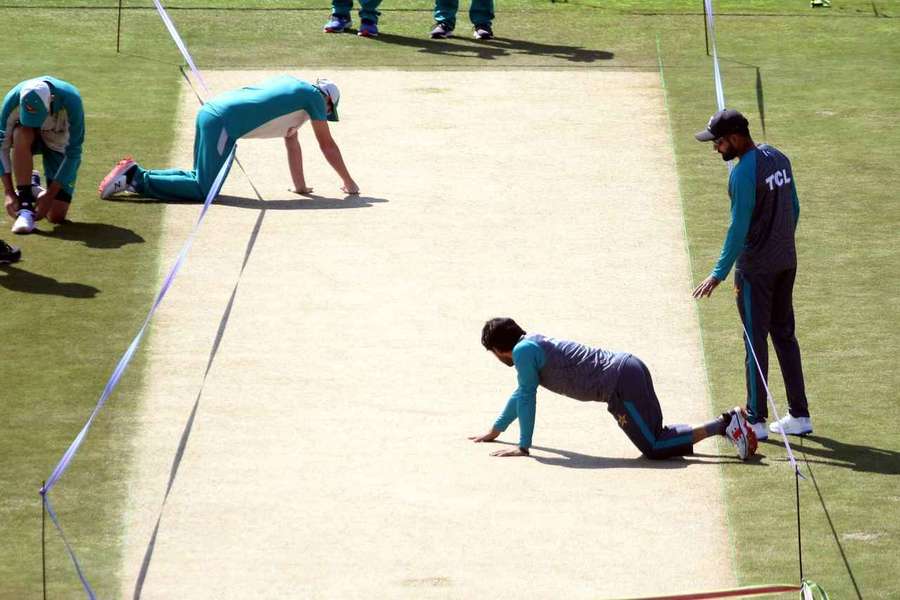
(723, 123)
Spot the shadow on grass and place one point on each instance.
(94, 235)
(866, 459)
(495, 48)
(19, 280)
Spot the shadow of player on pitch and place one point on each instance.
(94, 235)
(495, 48)
(307, 202)
(20, 280)
(576, 460)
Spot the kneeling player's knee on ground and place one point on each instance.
(58, 214)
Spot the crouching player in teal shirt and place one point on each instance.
(42, 116)
(618, 379)
(274, 108)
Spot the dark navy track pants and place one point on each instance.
(636, 408)
(765, 303)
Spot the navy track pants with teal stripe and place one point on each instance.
(636, 409)
(765, 303)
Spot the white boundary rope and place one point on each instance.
(126, 358)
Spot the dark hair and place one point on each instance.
(501, 334)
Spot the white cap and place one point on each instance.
(328, 87)
(34, 102)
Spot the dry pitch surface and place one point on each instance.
(328, 455)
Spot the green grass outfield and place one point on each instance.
(828, 83)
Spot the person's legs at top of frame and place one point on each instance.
(481, 13)
(340, 19)
(444, 18)
(368, 18)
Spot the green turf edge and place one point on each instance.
(83, 290)
(812, 70)
(723, 497)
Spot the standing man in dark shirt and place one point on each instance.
(764, 215)
(588, 374)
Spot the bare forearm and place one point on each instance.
(295, 163)
(333, 156)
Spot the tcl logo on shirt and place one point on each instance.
(778, 178)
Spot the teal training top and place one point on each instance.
(529, 359)
(62, 130)
(764, 214)
(269, 109)
(584, 373)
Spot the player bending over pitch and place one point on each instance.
(45, 116)
(588, 374)
(274, 108)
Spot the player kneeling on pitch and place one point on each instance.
(42, 116)
(272, 109)
(588, 374)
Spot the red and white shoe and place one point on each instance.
(740, 433)
(116, 181)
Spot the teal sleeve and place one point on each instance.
(528, 359)
(316, 109)
(509, 414)
(743, 199)
(10, 102)
(796, 202)
(69, 168)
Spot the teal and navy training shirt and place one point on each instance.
(271, 109)
(764, 215)
(562, 366)
(62, 130)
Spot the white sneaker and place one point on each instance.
(739, 433)
(115, 181)
(24, 222)
(792, 425)
(761, 431)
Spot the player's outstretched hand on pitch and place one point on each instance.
(305, 191)
(488, 437)
(350, 188)
(509, 452)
